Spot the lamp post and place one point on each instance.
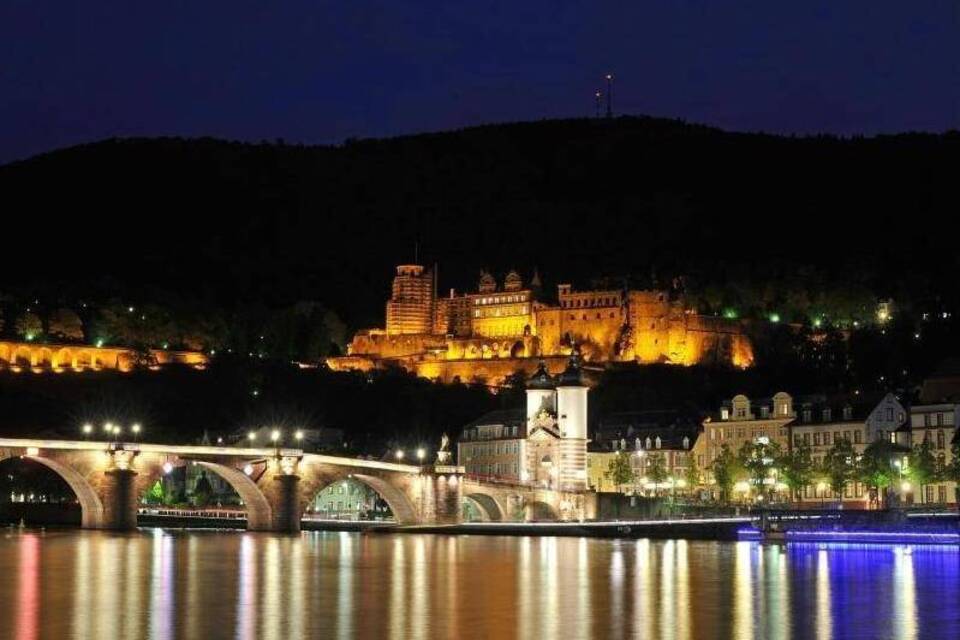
(399, 455)
(87, 430)
(421, 454)
(136, 431)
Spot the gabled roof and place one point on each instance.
(506, 417)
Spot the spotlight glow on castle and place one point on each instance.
(501, 329)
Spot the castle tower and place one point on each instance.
(572, 421)
(541, 394)
(412, 303)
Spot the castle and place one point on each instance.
(498, 330)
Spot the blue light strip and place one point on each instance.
(879, 536)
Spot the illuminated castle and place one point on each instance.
(498, 330)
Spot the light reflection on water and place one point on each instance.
(170, 584)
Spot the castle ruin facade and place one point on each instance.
(502, 328)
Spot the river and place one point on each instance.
(162, 584)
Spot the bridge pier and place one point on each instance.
(119, 496)
(442, 495)
(285, 500)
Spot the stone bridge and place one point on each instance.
(275, 484)
(504, 502)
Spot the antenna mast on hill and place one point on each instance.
(609, 95)
(596, 110)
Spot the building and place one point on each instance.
(644, 436)
(934, 419)
(486, 335)
(741, 421)
(817, 422)
(821, 422)
(544, 445)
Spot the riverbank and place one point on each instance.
(702, 529)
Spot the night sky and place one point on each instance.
(317, 72)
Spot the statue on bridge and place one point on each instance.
(443, 453)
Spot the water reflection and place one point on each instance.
(164, 584)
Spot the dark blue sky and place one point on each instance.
(315, 71)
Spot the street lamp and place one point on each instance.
(421, 454)
(252, 436)
(87, 430)
(275, 436)
(399, 454)
(136, 430)
(298, 435)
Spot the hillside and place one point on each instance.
(751, 220)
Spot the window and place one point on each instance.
(806, 438)
(827, 415)
(857, 437)
(847, 413)
(807, 415)
(940, 440)
(816, 439)
(846, 436)
(826, 438)
(797, 439)
(926, 419)
(939, 419)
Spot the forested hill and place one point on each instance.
(751, 220)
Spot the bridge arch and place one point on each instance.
(21, 356)
(62, 358)
(404, 511)
(42, 357)
(539, 511)
(259, 511)
(91, 507)
(488, 507)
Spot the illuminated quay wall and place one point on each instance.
(488, 335)
(38, 358)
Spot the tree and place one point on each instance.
(839, 465)
(758, 458)
(28, 326)
(797, 469)
(725, 468)
(155, 494)
(65, 324)
(619, 471)
(692, 475)
(923, 465)
(202, 491)
(657, 470)
(875, 468)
